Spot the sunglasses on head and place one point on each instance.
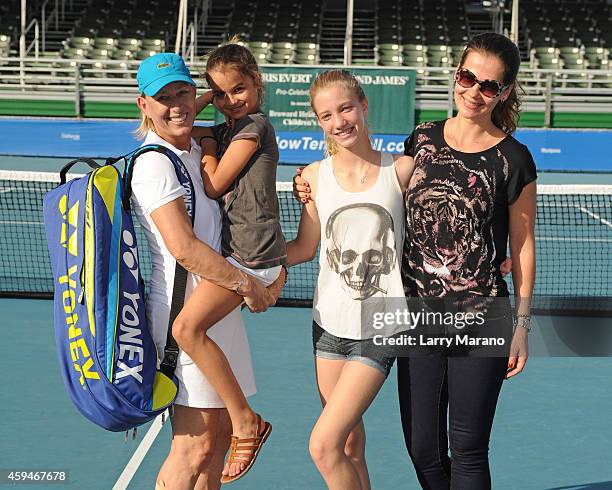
(489, 88)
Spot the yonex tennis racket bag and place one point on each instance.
(107, 356)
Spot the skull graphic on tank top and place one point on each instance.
(361, 248)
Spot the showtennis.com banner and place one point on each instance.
(552, 149)
(305, 147)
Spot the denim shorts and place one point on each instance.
(328, 346)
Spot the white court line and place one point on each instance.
(595, 216)
(141, 451)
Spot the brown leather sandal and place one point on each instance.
(245, 451)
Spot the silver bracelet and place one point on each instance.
(524, 321)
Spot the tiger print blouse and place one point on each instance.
(457, 214)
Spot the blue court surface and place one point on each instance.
(552, 429)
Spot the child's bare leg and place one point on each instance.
(353, 392)
(207, 305)
(328, 373)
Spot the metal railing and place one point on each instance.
(36, 41)
(188, 49)
(46, 20)
(201, 14)
(191, 50)
(82, 80)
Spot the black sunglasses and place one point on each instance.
(489, 88)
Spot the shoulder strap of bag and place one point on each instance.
(89, 161)
(171, 351)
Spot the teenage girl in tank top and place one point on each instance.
(357, 215)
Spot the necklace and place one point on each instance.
(363, 177)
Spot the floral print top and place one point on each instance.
(457, 214)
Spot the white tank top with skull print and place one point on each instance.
(362, 235)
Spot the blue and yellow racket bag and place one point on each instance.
(107, 355)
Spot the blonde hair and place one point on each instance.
(347, 81)
(146, 124)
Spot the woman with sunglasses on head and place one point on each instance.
(473, 187)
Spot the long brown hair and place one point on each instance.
(347, 81)
(236, 56)
(506, 113)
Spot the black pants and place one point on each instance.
(464, 389)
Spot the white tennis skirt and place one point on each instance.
(230, 335)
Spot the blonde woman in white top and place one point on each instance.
(201, 426)
(357, 215)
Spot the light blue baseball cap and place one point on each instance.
(157, 71)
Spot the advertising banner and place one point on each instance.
(390, 94)
(552, 149)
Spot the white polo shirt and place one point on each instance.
(154, 184)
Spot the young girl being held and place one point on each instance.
(239, 161)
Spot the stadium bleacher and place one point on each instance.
(557, 35)
(570, 34)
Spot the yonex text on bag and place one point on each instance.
(107, 356)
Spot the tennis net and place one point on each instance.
(573, 233)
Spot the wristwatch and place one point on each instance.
(524, 321)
